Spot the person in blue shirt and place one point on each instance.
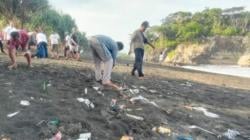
(104, 50)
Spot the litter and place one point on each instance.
(188, 84)
(8, 83)
(231, 134)
(10, 91)
(32, 98)
(207, 113)
(54, 122)
(152, 91)
(127, 138)
(85, 136)
(87, 102)
(162, 130)
(142, 87)
(58, 136)
(96, 88)
(99, 92)
(133, 86)
(134, 91)
(197, 127)
(86, 90)
(135, 117)
(144, 100)
(24, 103)
(184, 138)
(13, 114)
(81, 51)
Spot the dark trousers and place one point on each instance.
(1, 47)
(42, 50)
(139, 53)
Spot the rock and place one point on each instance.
(244, 60)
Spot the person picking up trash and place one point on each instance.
(104, 50)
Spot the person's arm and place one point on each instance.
(114, 55)
(151, 45)
(133, 37)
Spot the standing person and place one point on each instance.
(137, 44)
(74, 47)
(42, 49)
(18, 41)
(67, 45)
(54, 42)
(104, 50)
(1, 42)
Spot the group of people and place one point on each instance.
(104, 49)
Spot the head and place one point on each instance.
(120, 45)
(144, 26)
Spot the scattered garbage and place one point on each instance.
(10, 91)
(85, 136)
(197, 127)
(57, 136)
(99, 92)
(13, 114)
(24, 103)
(231, 134)
(134, 91)
(144, 100)
(184, 138)
(87, 102)
(188, 84)
(96, 88)
(32, 98)
(46, 84)
(207, 113)
(153, 91)
(162, 130)
(135, 117)
(86, 90)
(8, 83)
(54, 122)
(142, 87)
(127, 138)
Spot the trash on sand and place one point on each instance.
(197, 127)
(127, 138)
(13, 114)
(231, 134)
(86, 90)
(188, 84)
(144, 100)
(133, 86)
(135, 117)
(87, 102)
(8, 83)
(152, 91)
(96, 88)
(57, 136)
(207, 113)
(24, 103)
(99, 92)
(188, 107)
(142, 87)
(32, 98)
(10, 91)
(162, 130)
(85, 136)
(54, 122)
(134, 91)
(184, 138)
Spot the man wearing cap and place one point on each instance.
(137, 44)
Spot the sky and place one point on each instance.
(119, 18)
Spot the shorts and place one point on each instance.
(74, 49)
(55, 48)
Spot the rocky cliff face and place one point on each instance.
(219, 50)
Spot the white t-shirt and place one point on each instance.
(8, 30)
(67, 39)
(41, 37)
(54, 38)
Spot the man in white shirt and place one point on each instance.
(42, 50)
(54, 42)
(67, 45)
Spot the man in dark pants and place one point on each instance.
(137, 44)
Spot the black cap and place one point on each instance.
(145, 24)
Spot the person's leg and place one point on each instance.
(12, 55)
(46, 50)
(108, 65)
(1, 46)
(27, 55)
(136, 51)
(140, 62)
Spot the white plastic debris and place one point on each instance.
(8, 83)
(197, 127)
(96, 88)
(142, 87)
(85, 136)
(135, 117)
(152, 91)
(207, 113)
(81, 51)
(24, 103)
(10, 91)
(144, 100)
(231, 134)
(13, 114)
(32, 98)
(87, 102)
(99, 92)
(134, 91)
(86, 90)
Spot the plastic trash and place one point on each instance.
(134, 91)
(54, 122)
(207, 113)
(87, 102)
(127, 138)
(197, 127)
(85, 136)
(81, 51)
(142, 87)
(13, 114)
(8, 83)
(32, 98)
(96, 88)
(231, 134)
(152, 91)
(162, 130)
(24, 103)
(86, 90)
(135, 117)
(144, 100)
(10, 91)
(184, 138)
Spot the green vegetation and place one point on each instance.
(34, 14)
(183, 27)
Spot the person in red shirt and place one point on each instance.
(19, 41)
